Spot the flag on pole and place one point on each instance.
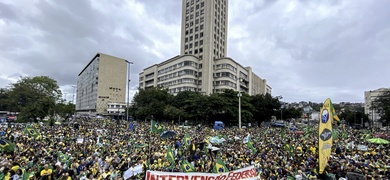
(250, 144)
(325, 135)
(187, 140)
(335, 134)
(6, 145)
(335, 117)
(155, 127)
(169, 155)
(187, 167)
(31, 131)
(62, 157)
(220, 167)
(283, 133)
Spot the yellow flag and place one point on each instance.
(325, 134)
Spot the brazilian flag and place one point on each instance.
(335, 117)
(6, 145)
(283, 133)
(250, 144)
(220, 167)
(187, 140)
(335, 134)
(169, 155)
(187, 167)
(63, 157)
(157, 127)
(31, 131)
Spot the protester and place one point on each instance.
(104, 149)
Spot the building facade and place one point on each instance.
(369, 97)
(101, 82)
(202, 65)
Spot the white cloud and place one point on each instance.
(295, 45)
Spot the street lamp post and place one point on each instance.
(74, 87)
(74, 114)
(239, 103)
(239, 109)
(281, 113)
(128, 89)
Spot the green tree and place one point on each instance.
(265, 106)
(382, 106)
(151, 101)
(229, 114)
(4, 94)
(34, 97)
(216, 107)
(65, 110)
(354, 115)
(174, 113)
(288, 113)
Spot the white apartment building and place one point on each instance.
(203, 65)
(102, 81)
(369, 97)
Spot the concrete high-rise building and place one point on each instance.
(204, 34)
(369, 97)
(202, 65)
(102, 81)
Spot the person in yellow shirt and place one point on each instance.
(46, 173)
(313, 149)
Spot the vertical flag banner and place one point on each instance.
(169, 155)
(325, 135)
(187, 140)
(335, 117)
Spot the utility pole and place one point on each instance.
(73, 102)
(128, 88)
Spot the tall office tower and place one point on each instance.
(101, 82)
(202, 65)
(204, 34)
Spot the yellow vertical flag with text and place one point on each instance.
(325, 134)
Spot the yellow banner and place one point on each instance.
(325, 135)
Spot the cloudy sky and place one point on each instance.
(307, 50)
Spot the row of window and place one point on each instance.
(175, 74)
(197, 3)
(225, 83)
(225, 74)
(148, 76)
(150, 82)
(196, 37)
(226, 66)
(115, 106)
(178, 65)
(181, 81)
(243, 75)
(176, 90)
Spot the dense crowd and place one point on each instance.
(104, 149)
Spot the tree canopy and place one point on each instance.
(33, 97)
(199, 108)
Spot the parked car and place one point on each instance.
(11, 118)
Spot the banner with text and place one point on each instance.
(248, 172)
